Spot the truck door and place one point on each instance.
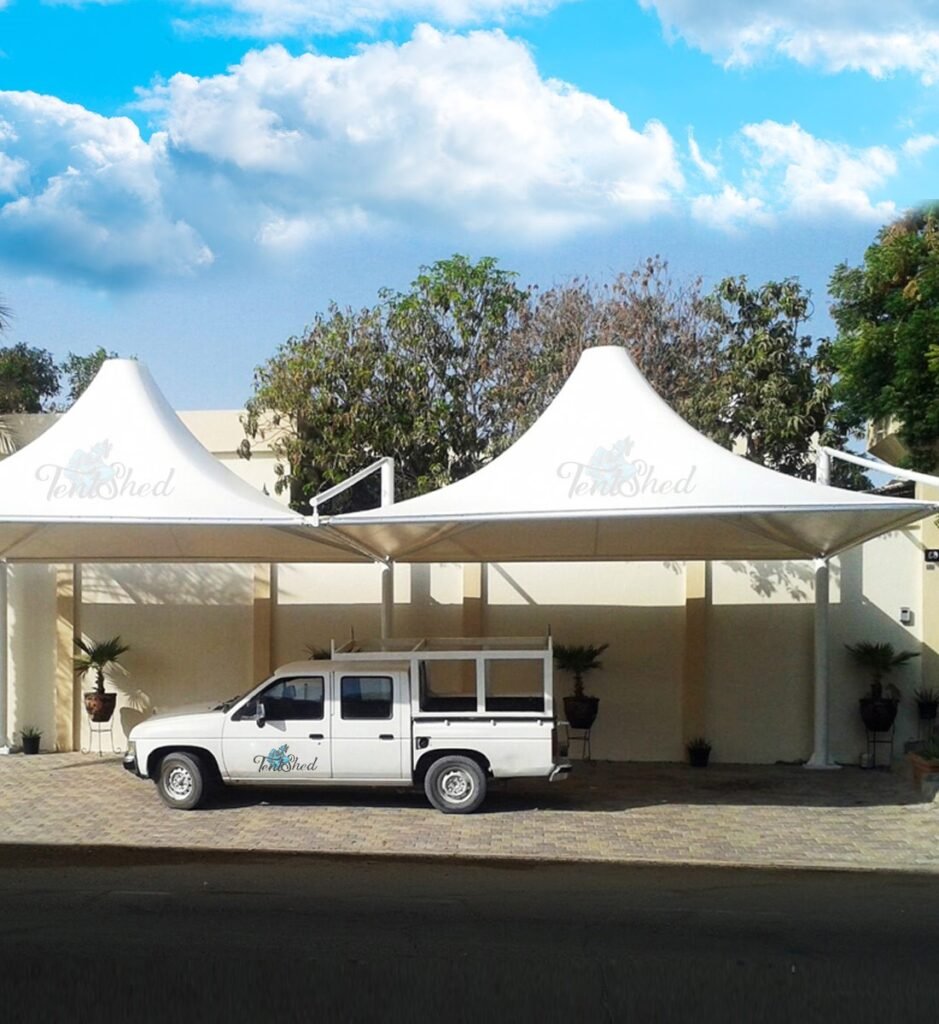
(292, 742)
(370, 726)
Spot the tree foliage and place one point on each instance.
(29, 379)
(417, 377)
(887, 349)
(81, 370)
(447, 374)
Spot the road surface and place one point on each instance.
(91, 936)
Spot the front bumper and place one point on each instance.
(129, 761)
(560, 772)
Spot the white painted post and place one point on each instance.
(4, 656)
(821, 757)
(387, 569)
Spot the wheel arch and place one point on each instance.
(430, 756)
(206, 757)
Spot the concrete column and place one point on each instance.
(821, 757)
(929, 610)
(264, 606)
(474, 599)
(694, 664)
(67, 686)
(4, 660)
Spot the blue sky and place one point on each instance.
(191, 182)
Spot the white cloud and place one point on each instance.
(813, 176)
(730, 210)
(787, 171)
(836, 35)
(269, 18)
(83, 194)
(919, 145)
(709, 170)
(457, 131)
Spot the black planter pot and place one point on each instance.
(928, 710)
(30, 744)
(581, 712)
(698, 758)
(878, 713)
(100, 706)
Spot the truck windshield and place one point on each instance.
(226, 704)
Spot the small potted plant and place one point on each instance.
(925, 759)
(579, 659)
(31, 736)
(99, 656)
(880, 659)
(927, 703)
(699, 752)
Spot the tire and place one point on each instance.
(455, 785)
(182, 781)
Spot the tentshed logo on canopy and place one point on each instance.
(92, 474)
(613, 472)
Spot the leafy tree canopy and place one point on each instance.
(447, 374)
(887, 349)
(81, 370)
(29, 379)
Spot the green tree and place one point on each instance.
(418, 376)
(81, 370)
(29, 379)
(776, 388)
(887, 349)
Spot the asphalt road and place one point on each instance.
(91, 936)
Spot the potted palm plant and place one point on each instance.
(579, 659)
(98, 656)
(880, 659)
(31, 736)
(699, 751)
(927, 703)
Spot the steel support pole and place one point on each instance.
(821, 757)
(387, 569)
(4, 659)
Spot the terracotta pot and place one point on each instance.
(921, 767)
(100, 706)
(878, 713)
(581, 712)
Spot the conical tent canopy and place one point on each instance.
(119, 477)
(610, 472)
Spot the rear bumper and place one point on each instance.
(559, 772)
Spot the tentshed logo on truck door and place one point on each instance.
(281, 760)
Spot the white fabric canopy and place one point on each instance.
(610, 472)
(119, 477)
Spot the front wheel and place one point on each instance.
(182, 781)
(455, 785)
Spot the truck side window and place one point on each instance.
(296, 699)
(362, 697)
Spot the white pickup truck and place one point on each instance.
(447, 715)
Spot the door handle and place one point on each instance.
(386, 736)
(316, 735)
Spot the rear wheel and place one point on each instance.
(182, 781)
(455, 785)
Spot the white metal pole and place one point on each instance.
(4, 656)
(387, 569)
(821, 757)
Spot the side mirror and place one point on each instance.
(261, 716)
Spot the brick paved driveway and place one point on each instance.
(755, 816)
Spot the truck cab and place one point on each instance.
(447, 715)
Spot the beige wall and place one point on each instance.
(725, 649)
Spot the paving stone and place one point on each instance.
(728, 814)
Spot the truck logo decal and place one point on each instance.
(279, 760)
